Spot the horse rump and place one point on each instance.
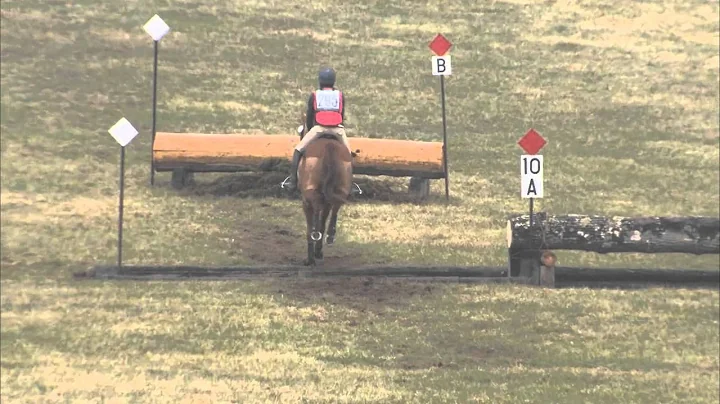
(333, 187)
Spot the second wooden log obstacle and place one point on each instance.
(530, 247)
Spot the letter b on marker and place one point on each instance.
(441, 65)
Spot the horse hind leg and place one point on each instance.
(310, 260)
(332, 228)
(323, 221)
(318, 228)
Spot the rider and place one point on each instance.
(325, 114)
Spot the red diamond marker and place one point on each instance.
(440, 45)
(532, 142)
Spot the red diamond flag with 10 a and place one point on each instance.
(532, 142)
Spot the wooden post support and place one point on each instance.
(547, 269)
(524, 263)
(419, 187)
(181, 178)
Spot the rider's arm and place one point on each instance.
(342, 110)
(310, 114)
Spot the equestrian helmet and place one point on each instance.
(326, 77)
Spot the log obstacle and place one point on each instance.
(587, 277)
(187, 153)
(530, 248)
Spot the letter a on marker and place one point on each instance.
(531, 188)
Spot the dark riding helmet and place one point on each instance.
(326, 77)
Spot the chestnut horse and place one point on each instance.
(324, 181)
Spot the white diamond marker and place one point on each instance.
(123, 132)
(156, 27)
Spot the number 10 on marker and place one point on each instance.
(531, 175)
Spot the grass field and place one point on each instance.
(626, 93)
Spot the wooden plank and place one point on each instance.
(292, 270)
(563, 275)
(238, 152)
(638, 275)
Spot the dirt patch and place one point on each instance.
(36, 209)
(17, 199)
(118, 36)
(183, 103)
(363, 294)
(267, 185)
(712, 135)
(271, 244)
(243, 185)
(33, 16)
(83, 206)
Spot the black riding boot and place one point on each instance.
(292, 183)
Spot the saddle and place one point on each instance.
(332, 136)
(328, 135)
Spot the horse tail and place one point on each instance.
(330, 178)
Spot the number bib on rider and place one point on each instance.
(327, 100)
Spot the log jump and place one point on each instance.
(187, 153)
(530, 248)
(588, 277)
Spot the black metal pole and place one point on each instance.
(120, 205)
(510, 262)
(445, 154)
(154, 108)
(531, 210)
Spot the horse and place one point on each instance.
(324, 181)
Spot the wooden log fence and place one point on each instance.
(531, 249)
(186, 153)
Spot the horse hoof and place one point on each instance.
(329, 240)
(319, 256)
(309, 263)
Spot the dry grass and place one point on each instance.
(360, 341)
(626, 93)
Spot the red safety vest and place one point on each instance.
(328, 104)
